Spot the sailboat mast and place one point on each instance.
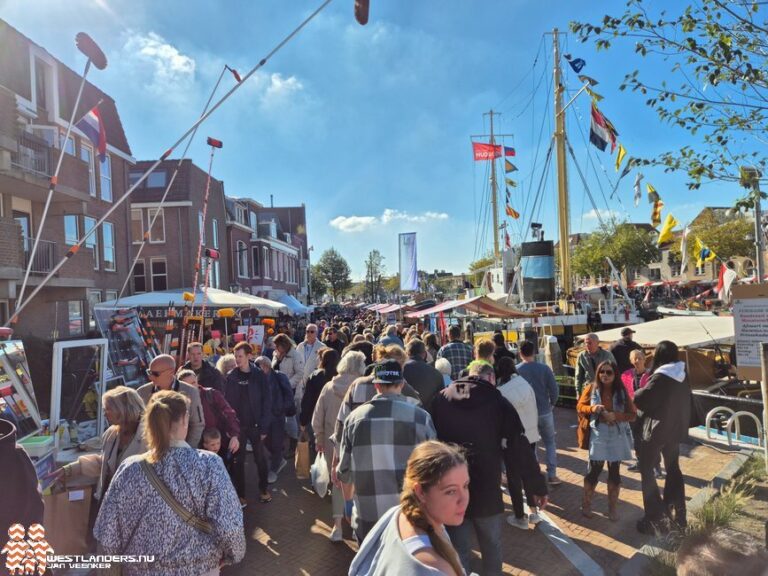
(562, 174)
(494, 196)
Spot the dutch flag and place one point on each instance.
(93, 127)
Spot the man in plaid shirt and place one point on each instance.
(456, 352)
(378, 438)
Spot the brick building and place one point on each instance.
(168, 258)
(37, 93)
(268, 251)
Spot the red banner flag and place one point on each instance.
(486, 151)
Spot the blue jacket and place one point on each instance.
(282, 395)
(259, 396)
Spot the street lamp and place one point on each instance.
(750, 179)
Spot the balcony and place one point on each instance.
(45, 258)
(33, 156)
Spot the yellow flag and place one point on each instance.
(703, 254)
(666, 236)
(595, 96)
(620, 156)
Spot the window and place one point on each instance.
(105, 169)
(69, 145)
(133, 177)
(139, 277)
(157, 233)
(93, 240)
(215, 233)
(156, 179)
(111, 295)
(94, 297)
(137, 225)
(654, 274)
(75, 317)
(86, 155)
(215, 275)
(201, 227)
(255, 261)
(240, 215)
(242, 260)
(252, 220)
(159, 274)
(266, 262)
(212, 272)
(41, 83)
(108, 236)
(71, 229)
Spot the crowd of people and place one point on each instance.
(419, 439)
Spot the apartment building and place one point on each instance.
(37, 93)
(167, 259)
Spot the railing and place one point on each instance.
(34, 155)
(45, 257)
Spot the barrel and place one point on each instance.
(537, 267)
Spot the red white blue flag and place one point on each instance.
(93, 127)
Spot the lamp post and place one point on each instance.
(750, 179)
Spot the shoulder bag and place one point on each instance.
(186, 516)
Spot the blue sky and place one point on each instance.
(368, 126)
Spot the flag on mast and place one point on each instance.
(684, 250)
(601, 131)
(656, 213)
(638, 193)
(666, 236)
(511, 212)
(93, 127)
(483, 151)
(620, 156)
(703, 254)
(509, 167)
(653, 196)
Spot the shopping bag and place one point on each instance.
(320, 475)
(302, 458)
(66, 520)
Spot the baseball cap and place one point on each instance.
(387, 372)
(626, 331)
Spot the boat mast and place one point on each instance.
(562, 174)
(494, 195)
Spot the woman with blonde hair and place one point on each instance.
(225, 364)
(123, 409)
(410, 539)
(175, 503)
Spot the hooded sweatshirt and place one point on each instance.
(664, 405)
(456, 412)
(20, 500)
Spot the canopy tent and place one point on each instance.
(295, 306)
(376, 307)
(389, 309)
(685, 331)
(478, 304)
(216, 299)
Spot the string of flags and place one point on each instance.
(487, 151)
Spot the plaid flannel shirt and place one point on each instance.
(458, 354)
(377, 441)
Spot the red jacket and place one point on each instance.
(628, 378)
(217, 412)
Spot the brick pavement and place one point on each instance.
(289, 535)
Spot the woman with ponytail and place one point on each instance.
(150, 493)
(410, 539)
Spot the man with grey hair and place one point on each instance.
(308, 349)
(588, 361)
(425, 379)
(283, 406)
(391, 337)
(162, 376)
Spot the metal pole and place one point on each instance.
(562, 174)
(764, 391)
(759, 239)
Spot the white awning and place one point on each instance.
(216, 299)
(685, 331)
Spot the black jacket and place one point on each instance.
(664, 408)
(311, 393)
(621, 349)
(207, 375)
(259, 397)
(20, 500)
(479, 423)
(424, 378)
(500, 352)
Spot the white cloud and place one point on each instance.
(363, 223)
(604, 214)
(164, 69)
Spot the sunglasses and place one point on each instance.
(311, 331)
(156, 373)
(608, 372)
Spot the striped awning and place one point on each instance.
(478, 304)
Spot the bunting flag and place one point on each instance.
(507, 241)
(653, 196)
(93, 127)
(666, 236)
(507, 190)
(620, 156)
(627, 168)
(656, 213)
(576, 63)
(594, 95)
(486, 151)
(588, 80)
(509, 167)
(601, 130)
(511, 183)
(234, 73)
(684, 250)
(638, 194)
(703, 254)
(509, 151)
(511, 212)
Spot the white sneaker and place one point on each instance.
(534, 518)
(521, 523)
(271, 477)
(335, 534)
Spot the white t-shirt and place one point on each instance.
(523, 398)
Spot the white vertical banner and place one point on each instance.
(409, 274)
